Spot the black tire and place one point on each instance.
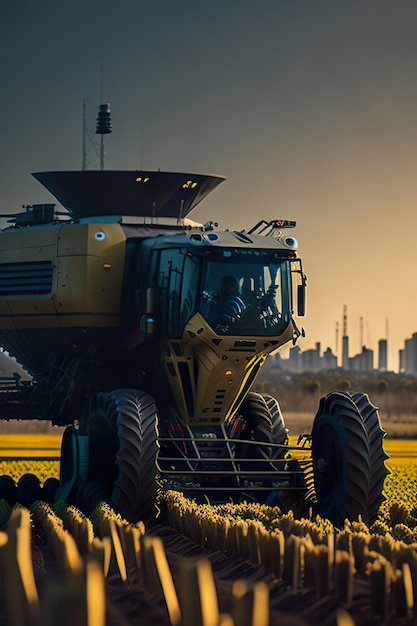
(279, 431)
(257, 428)
(67, 467)
(378, 456)
(28, 490)
(49, 490)
(342, 460)
(122, 429)
(8, 489)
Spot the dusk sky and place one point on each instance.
(308, 107)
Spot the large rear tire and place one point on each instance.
(378, 456)
(122, 429)
(348, 459)
(257, 428)
(279, 430)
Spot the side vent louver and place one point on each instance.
(25, 278)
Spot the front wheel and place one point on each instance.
(122, 430)
(348, 465)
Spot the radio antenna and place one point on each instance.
(104, 126)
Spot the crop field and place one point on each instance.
(255, 566)
(40, 452)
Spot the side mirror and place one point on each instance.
(301, 300)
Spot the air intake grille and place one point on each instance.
(25, 278)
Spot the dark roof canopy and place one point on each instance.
(90, 193)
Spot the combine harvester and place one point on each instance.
(144, 333)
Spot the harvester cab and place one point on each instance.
(144, 334)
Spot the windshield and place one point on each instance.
(246, 294)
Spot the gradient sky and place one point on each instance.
(309, 107)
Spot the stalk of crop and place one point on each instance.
(309, 558)
(125, 540)
(344, 571)
(292, 562)
(18, 577)
(234, 538)
(403, 592)
(130, 538)
(197, 594)
(250, 603)
(271, 548)
(157, 576)
(318, 564)
(78, 524)
(253, 542)
(216, 532)
(323, 570)
(71, 559)
(360, 550)
(344, 619)
(83, 594)
(100, 550)
(101, 516)
(96, 594)
(409, 555)
(117, 550)
(380, 582)
(5, 512)
(3, 540)
(53, 526)
(81, 601)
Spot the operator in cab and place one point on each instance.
(228, 306)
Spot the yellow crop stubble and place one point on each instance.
(41, 468)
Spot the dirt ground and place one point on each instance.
(132, 605)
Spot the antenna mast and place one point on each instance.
(103, 128)
(345, 341)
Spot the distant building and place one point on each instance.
(382, 355)
(313, 360)
(362, 362)
(329, 360)
(309, 360)
(294, 361)
(408, 356)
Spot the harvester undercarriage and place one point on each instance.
(120, 453)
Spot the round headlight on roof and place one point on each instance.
(211, 236)
(291, 242)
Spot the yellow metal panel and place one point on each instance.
(218, 370)
(91, 239)
(90, 270)
(31, 306)
(88, 265)
(28, 244)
